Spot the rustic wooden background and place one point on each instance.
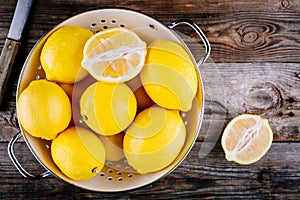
(255, 64)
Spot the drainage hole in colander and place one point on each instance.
(127, 168)
(39, 67)
(130, 175)
(152, 26)
(104, 27)
(113, 21)
(186, 123)
(93, 25)
(102, 21)
(95, 170)
(119, 173)
(122, 25)
(118, 166)
(109, 178)
(102, 174)
(120, 179)
(37, 77)
(109, 163)
(110, 170)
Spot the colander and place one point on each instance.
(115, 176)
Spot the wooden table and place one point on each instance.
(256, 60)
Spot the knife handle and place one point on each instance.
(7, 58)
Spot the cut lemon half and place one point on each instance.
(246, 139)
(114, 55)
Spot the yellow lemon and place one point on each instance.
(247, 138)
(107, 108)
(114, 55)
(78, 153)
(44, 109)
(113, 146)
(62, 54)
(169, 75)
(154, 139)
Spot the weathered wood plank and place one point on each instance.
(240, 31)
(269, 89)
(275, 176)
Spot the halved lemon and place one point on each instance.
(246, 139)
(114, 55)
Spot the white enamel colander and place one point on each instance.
(115, 176)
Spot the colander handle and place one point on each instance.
(196, 28)
(17, 164)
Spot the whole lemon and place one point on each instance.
(78, 153)
(44, 109)
(62, 54)
(108, 108)
(169, 75)
(154, 139)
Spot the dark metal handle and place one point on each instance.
(18, 165)
(196, 28)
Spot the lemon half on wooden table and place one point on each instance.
(246, 139)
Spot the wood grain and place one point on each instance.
(259, 32)
(269, 89)
(254, 68)
(211, 176)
